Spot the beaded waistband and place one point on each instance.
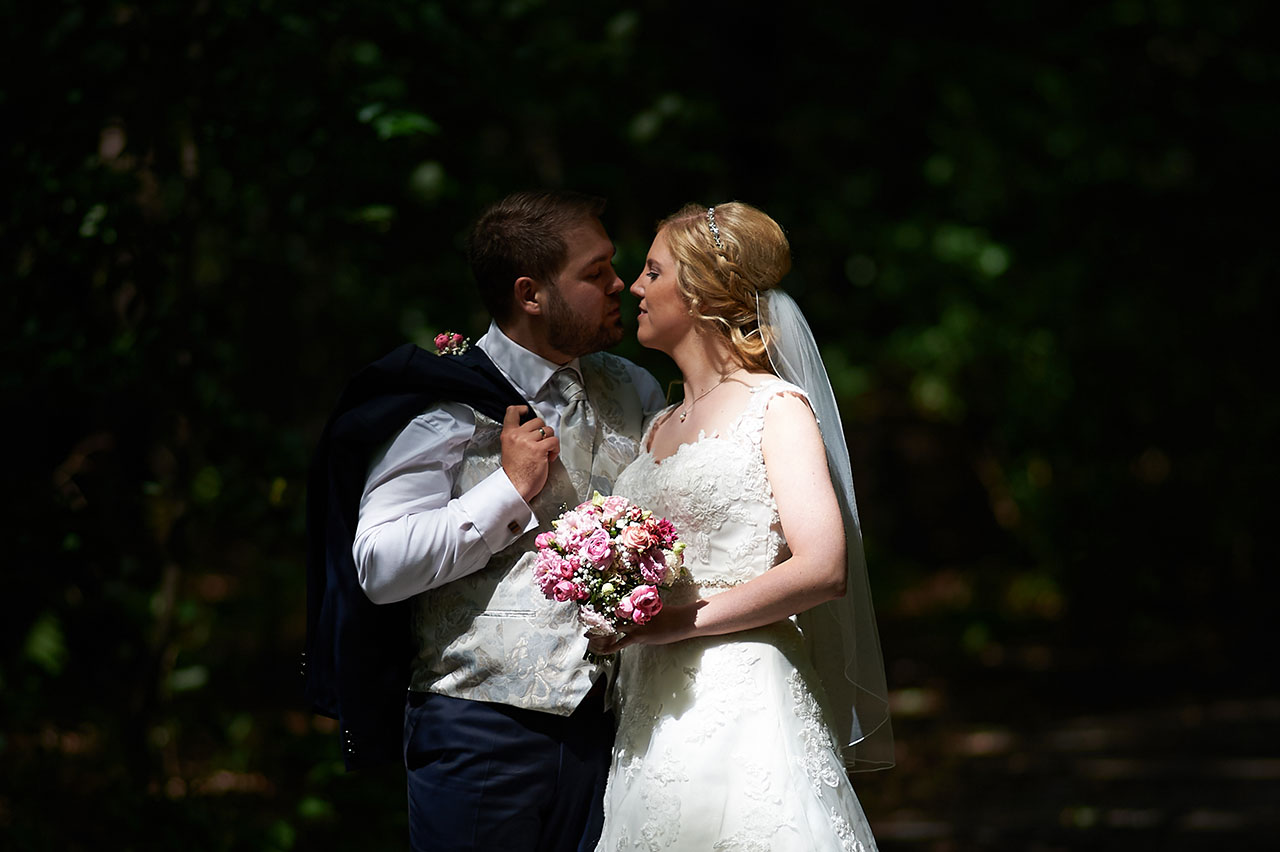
(687, 582)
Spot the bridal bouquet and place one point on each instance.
(611, 557)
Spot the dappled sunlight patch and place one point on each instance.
(213, 588)
(78, 742)
(945, 590)
(223, 781)
(1034, 593)
(915, 702)
(984, 743)
(1088, 738)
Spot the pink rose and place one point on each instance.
(645, 604)
(442, 340)
(625, 609)
(456, 339)
(545, 539)
(566, 590)
(597, 547)
(636, 538)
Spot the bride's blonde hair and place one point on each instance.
(725, 256)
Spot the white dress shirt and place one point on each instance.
(411, 536)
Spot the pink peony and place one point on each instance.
(545, 562)
(612, 508)
(574, 527)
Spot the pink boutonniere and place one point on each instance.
(451, 343)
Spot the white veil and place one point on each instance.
(842, 633)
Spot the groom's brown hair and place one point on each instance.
(523, 235)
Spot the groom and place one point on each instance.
(506, 737)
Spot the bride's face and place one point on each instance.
(664, 317)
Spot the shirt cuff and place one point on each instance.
(498, 511)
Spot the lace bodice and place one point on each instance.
(722, 742)
(716, 493)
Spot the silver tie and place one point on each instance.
(577, 430)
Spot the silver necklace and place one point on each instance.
(689, 407)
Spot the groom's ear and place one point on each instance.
(526, 295)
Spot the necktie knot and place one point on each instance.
(570, 388)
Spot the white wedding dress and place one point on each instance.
(722, 743)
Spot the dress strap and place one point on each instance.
(750, 423)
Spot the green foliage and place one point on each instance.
(1022, 242)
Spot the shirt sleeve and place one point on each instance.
(412, 535)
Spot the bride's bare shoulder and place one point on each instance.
(755, 380)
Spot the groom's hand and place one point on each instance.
(528, 449)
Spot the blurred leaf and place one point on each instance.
(189, 679)
(45, 644)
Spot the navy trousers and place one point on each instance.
(487, 776)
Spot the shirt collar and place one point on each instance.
(528, 371)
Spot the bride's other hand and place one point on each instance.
(605, 644)
(671, 624)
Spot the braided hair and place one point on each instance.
(720, 271)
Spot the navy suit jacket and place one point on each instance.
(356, 663)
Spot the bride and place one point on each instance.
(745, 702)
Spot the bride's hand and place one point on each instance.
(605, 644)
(671, 624)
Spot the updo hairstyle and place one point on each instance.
(721, 284)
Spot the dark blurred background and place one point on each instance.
(1036, 242)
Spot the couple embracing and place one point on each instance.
(728, 721)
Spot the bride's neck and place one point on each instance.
(703, 360)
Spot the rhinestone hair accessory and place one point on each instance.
(714, 228)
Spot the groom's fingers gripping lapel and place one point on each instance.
(528, 449)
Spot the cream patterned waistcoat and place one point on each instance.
(492, 636)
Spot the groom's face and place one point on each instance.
(583, 308)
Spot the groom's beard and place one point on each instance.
(575, 335)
